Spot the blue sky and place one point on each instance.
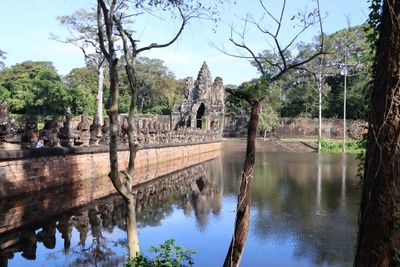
(25, 26)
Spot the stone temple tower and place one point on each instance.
(203, 106)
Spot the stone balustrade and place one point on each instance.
(148, 130)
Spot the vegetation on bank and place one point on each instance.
(329, 145)
(168, 254)
(335, 146)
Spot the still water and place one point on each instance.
(304, 213)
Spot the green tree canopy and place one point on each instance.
(301, 97)
(34, 88)
(159, 90)
(82, 83)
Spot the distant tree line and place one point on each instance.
(35, 88)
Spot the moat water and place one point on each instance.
(303, 213)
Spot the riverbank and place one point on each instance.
(269, 145)
(292, 145)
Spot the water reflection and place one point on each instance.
(284, 204)
(304, 213)
(192, 189)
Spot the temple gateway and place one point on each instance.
(203, 106)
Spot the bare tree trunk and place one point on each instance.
(114, 123)
(344, 104)
(319, 110)
(242, 221)
(100, 82)
(133, 147)
(133, 239)
(379, 224)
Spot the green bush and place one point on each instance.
(168, 255)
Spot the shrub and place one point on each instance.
(168, 255)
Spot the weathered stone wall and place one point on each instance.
(300, 127)
(21, 172)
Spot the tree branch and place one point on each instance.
(100, 6)
(154, 45)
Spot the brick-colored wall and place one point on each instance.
(30, 174)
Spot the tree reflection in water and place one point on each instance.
(284, 194)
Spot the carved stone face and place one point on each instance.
(106, 122)
(3, 112)
(30, 124)
(96, 119)
(84, 117)
(48, 124)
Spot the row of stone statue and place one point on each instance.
(63, 133)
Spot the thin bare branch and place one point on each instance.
(222, 50)
(267, 11)
(280, 18)
(154, 45)
(255, 58)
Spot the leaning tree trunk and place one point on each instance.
(379, 225)
(124, 190)
(242, 221)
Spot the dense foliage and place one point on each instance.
(158, 92)
(36, 88)
(168, 254)
(298, 89)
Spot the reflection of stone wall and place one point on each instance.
(26, 208)
(300, 127)
(21, 174)
(197, 188)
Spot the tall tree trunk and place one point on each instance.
(123, 187)
(319, 109)
(114, 126)
(344, 104)
(379, 226)
(133, 147)
(242, 221)
(100, 82)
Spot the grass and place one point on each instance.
(327, 145)
(335, 146)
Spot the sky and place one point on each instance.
(25, 26)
